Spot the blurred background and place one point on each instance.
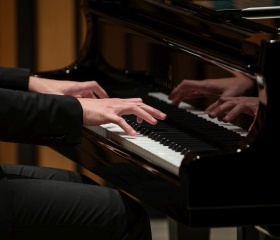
(40, 35)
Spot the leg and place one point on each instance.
(62, 204)
(26, 172)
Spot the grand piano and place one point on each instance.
(198, 171)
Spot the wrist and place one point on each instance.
(32, 83)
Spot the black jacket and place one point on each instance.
(43, 119)
(32, 118)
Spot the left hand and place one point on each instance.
(88, 89)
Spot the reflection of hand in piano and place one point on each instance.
(201, 114)
(228, 108)
(237, 85)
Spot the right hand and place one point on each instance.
(238, 85)
(111, 110)
(226, 109)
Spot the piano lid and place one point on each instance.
(265, 13)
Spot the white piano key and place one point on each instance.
(143, 146)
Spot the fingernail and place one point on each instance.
(212, 114)
(226, 118)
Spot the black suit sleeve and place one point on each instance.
(14, 78)
(33, 118)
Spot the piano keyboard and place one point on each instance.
(162, 145)
(190, 108)
(143, 146)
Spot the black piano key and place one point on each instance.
(209, 131)
(191, 122)
(171, 137)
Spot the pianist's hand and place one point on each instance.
(227, 109)
(89, 89)
(237, 85)
(111, 110)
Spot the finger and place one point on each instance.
(221, 117)
(233, 113)
(89, 94)
(101, 93)
(139, 120)
(175, 92)
(144, 115)
(176, 100)
(212, 106)
(95, 88)
(140, 113)
(151, 112)
(215, 105)
(125, 126)
(133, 100)
(220, 110)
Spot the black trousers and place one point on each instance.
(48, 202)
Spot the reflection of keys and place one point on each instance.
(189, 108)
(143, 146)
